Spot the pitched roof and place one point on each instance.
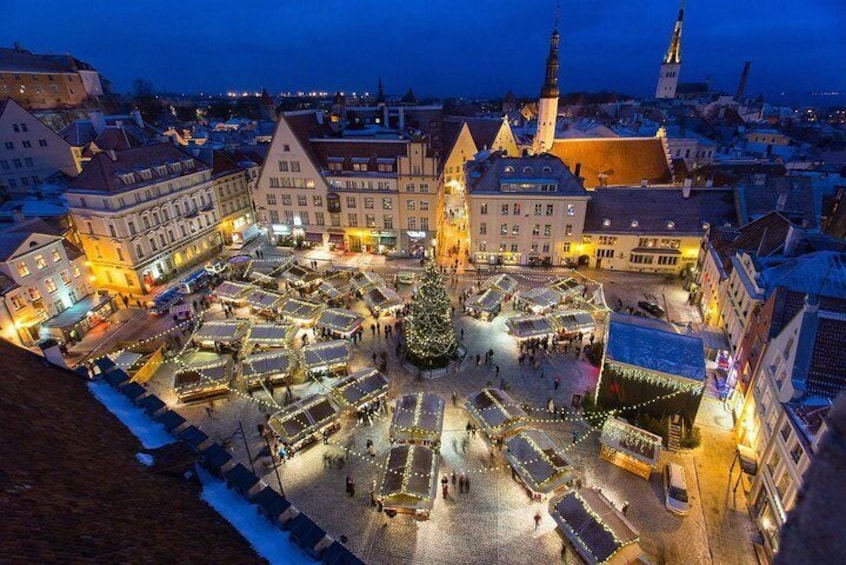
(487, 175)
(822, 273)
(348, 149)
(793, 197)
(71, 475)
(22, 60)
(13, 236)
(763, 236)
(304, 126)
(624, 161)
(614, 210)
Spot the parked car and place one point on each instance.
(675, 490)
(652, 307)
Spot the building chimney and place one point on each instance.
(741, 88)
(688, 184)
(98, 121)
(578, 171)
(401, 117)
(794, 235)
(644, 183)
(51, 351)
(136, 115)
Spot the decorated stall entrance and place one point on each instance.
(409, 484)
(539, 464)
(418, 419)
(303, 422)
(629, 447)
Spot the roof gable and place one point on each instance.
(620, 161)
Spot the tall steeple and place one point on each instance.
(380, 96)
(548, 106)
(668, 79)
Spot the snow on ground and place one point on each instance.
(149, 433)
(145, 459)
(268, 541)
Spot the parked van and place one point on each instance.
(675, 490)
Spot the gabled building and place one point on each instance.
(30, 152)
(465, 137)
(668, 78)
(232, 195)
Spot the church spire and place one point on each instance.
(673, 55)
(550, 84)
(548, 105)
(380, 96)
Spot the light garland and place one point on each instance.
(653, 378)
(626, 435)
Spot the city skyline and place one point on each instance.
(603, 47)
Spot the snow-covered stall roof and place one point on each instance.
(503, 283)
(567, 286)
(655, 345)
(523, 327)
(220, 331)
(572, 321)
(542, 465)
(270, 334)
(640, 444)
(339, 320)
(366, 279)
(488, 300)
(540, 298)
(382, 298)
(325, 354)
(297, 421)
(301, 311)
(495, 411)
(360, 387)
(261, 299)
(280, 362)
(418, 417)
(411, 478)
(232, 291)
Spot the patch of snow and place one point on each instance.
(151, 434)
(268, 541)
(145, 459)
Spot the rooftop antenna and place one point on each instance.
(557, 13)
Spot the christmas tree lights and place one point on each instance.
(429, 333)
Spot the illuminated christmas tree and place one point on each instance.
(429, 333)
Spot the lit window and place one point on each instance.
(40, 262)
(56, 256)
(23, 269)
(50, 285)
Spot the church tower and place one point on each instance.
(548, 107)
(668, 79)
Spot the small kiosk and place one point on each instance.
(572, 322)
(496, 413)
(524, 328)
(485, 305)
(629, 447)
(261, 337)
(418, 419)
(304, 421)
(363, 280)
(300, 312)
(503, 283)
(264, 302)
(220, 334)
(340, 323)
(300, 277)
(203, 382)
(568, 287)
(361, 387)
(538, 300)
(268, 369)
(540, 465)
(326, 358)
(382, 300)
(232, 292)
(410, 482)
(596, 531)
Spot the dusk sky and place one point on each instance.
(437, 47)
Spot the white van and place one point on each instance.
(675, 490)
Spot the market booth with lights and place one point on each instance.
(300, 277)
(485, 304)
(339, 322)
(538, 300)
(382, 300)
(650, 364)
(504, 283)
(303, 422)
(266, 336)
(268, 369)
(363, 280)
(300, 312)
(539, 464)
(524, 328)
(326, 358)
(203, 382)
(495, 413)
(569, 323)
(74, 322)
(360, 388)
(418, 419)
(264, 302)
(220, 334)
(232, 292)
(410, 481)
(567, 287)
(629, 447)
(596, 531)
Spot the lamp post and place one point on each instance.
(275, 467)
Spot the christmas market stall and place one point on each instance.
(650, 364)
(530, 327)
(418, 419)
(596, 531)
(503, 283)
(333, 291)
(202, 382)
(569, 323)
(339, 323)
(300, 277)
(410, 482)
(220, 334)
(264, 336)
(629, 447)
(360, 388)
(304, 421)
(363, 280)
(485, 304)
(300, 312)
(567, 287)
(232, 292)
(495, 413)
(538, 300)
(264, 302)
(268, 369)
(326, 358)
(238, 265)
(382, 300)
(539, 464)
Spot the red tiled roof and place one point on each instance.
(625, 161)
(356, 149)
(73, 491)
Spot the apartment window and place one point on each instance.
(119, 253)
(483, 228)
(370, 220)
(295, 166)
(424, 205)
(131, 228)
(667, 260)
(411, 205)
(424, 187)
(17, 302)
(368, 203)
(286, 200)
(515, 229)
(42, 143)
(352, 220)
(571, 210)
(56, 256)
(350, 202)
(503, 229)
(412, 223)
(318, 219)
(360, 167)
(415, 170)
(535, 229)
(538, 209)
(274, 218)
(409, 187)
(66, 280)
(424, 223)
(10, 145)
(641, 259)
(388, 204)
(40, 262)
(483, 209)
(4, 164)
(670, 243)
(483, 246)
(146, 222)
(796, 453)
(605, 253)
(336, 220)
(568, 229)
(304, 218)
(388, 221)
(289, 217)
(317, 201)
(534, 248)
(607, 240)
(302, 200)
(153, 245)
(76, 272)
(17, 163)
(783, 484)
(549, 210)
(274, 182)
(283, 166)
(50, 285)
(34, 294)
(503, 210)
(286, 148)
(515, 248)
(170, 236)
(23, 268)
(547, 230)
(26, 143)
(565, 247)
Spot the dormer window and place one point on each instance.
(671, 225)
(528, 170)
(127, 178)
(606, 223)
(188, 163)
(146, 174)
(635, 223)
(161, 170)
(547, 169)
(509, 169)
(175, 167)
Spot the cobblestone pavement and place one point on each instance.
(493, 523)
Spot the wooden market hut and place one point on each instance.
(268, 369)
(410, 481)
(202, 382)
(539, 464)
(567, 286)
(527, 327)
(495, 413)
(325, 358)
(572, 322)
(485, 304)
(303, 422)
(382, 300)
(629, 447)
(301, 277)
(220, 334)
(595, 530)
(538, 300)
(503, 283)
(266, 336)
(363, 280)
(300, 312)
(418, 419)
(232, 292)
(264, 302)
(361, 387)
(339, 322)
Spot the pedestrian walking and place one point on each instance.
(373, 329)
(352, 488)
(550, 406)
(557, 382)
(462, 334)
(537, 520)
(371, 451)
(374, 357)
(454, 479)
(625, 507)
(478, 359)
(372, 499)
(473, 431)
(461, 482)
(468, 428)
(349, 484)
(497, 370)
(445, 486)
(454, 399)
(575, 436)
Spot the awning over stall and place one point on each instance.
(542, 466)
(325, 354)
(418, 417)
(495, 412)
(360, 387)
